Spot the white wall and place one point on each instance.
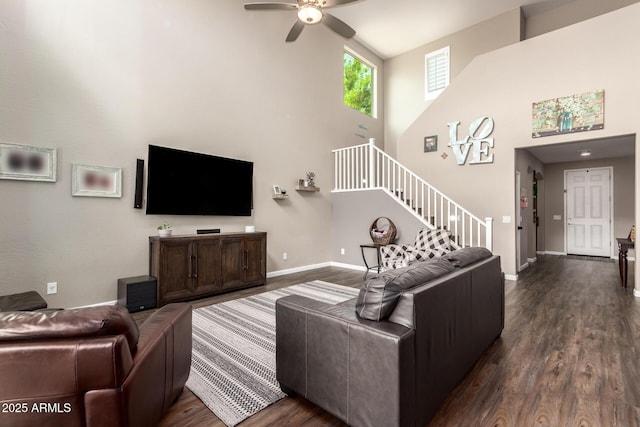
(569, 14)
(525, 163)
(404, 75)
(623, 198)
(100, 80)
(600, 53)
(353, 214)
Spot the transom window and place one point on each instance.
(358, 84)
(436, 73)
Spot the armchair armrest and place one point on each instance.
(55, 374)
(359, 370)
(161, 366)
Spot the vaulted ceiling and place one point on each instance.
(390, 28)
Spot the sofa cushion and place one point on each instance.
(75, 323)
(379, 295)
(465, 256)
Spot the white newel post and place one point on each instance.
(489, 223)
(371, 177)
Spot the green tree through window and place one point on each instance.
(358, 92)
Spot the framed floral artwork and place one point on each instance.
(27, 163)
(96, 181)
(575, 113)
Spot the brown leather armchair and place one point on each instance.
(92, 366)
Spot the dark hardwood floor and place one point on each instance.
(568, 356)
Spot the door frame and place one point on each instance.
(522, 259)
(611, 203)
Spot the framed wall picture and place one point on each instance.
(27, 163)
(576, 113)
(276, 189)
(430, 143)
(96, 181)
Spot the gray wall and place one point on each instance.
(354, 212)
(503, 84)
(404, 75)
(568, 14)
(526, 164)
(102, 80)
(623, 198)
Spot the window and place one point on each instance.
(436, 66)
(358, 84)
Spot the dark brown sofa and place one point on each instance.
(92, 366)
(435, 319)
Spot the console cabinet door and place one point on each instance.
(175, 271)
(207, 266)
(256, 261)
(243, 260)
(233, 262)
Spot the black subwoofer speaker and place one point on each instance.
(138, 293)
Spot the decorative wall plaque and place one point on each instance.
(477, 142)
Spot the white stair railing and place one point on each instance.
(366, 167)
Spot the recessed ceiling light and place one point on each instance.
(585, 153)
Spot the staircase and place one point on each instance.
(366, 167)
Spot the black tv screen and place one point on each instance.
(186, 183)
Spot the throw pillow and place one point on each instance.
(438, 240)
(465, 256)
(379, 295)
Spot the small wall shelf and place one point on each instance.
(303, 188)
(280, 196)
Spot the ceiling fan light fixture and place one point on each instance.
(310, 14)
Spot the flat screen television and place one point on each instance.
(187, 183)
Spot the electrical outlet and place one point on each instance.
(341, 251)
(52, 288)
(285, 256)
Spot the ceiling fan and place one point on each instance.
(309, 12)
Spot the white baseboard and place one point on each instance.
(349, 266)
(314, 266)
(114, 302)
(554, 253)
(269, 275)
(511, 277)
(636, 293)
(298, 269)
(532, 260)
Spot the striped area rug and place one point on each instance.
(233, 366)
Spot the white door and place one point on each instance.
(588, 211)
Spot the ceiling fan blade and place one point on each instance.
(270, 6)
(295, 31)
(333, 3)
(338, 26)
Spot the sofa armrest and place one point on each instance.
(359, 370)
(161, 366)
